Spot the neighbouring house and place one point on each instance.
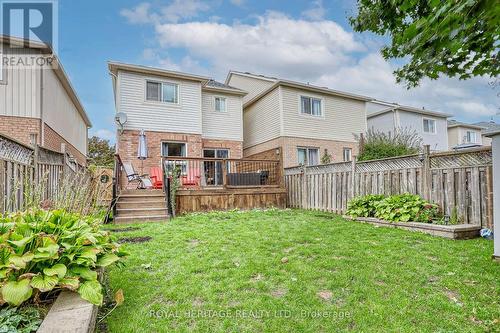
(462, 135)
(38, 104)
(489, 127)
(298, 120)
(182, 115)
(430, 126)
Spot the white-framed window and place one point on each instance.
(307, 156)
(311, 106)
(347, 154)
(429, 125)
(162, 92)
(174, 149)
(220, 104)
(471, 137)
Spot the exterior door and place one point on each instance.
(213, 169)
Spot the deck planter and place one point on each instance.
(457, 231)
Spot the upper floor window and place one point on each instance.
(471, 137)
(347, 154)
(308, 156)
(220, 104)
(310, 106)
(429, 125)
(162, 92)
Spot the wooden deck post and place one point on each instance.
(224, 173)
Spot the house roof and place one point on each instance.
(222, 87)
(489, 127)
(454, 123)
(57, 67)
(394, 106)
(293, 84)
(115, 66)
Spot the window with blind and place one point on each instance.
(162, 92)
(310, 106)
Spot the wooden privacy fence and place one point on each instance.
(453, 180)
(23, 167)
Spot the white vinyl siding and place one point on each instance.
(227, 125)
(61, 114)
(262, 119)
(182, 117)
(414, 121)
(253, 86)
(341, 118)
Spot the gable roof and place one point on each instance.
(213, 85)
(57, 68)
(293, 84)
(454, 123)
(393, 107)
(488, 126)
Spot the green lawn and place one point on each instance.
(301, 271)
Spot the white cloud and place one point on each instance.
(238, 2)
(105, 134)
(138, 15)
(317, 12)
(474, 108)
(173, 12)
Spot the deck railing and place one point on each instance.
(197, 173)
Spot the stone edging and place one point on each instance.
(70, 314)
(458, 231)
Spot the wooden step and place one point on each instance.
(141, 219)
(142, 192)
(158, 203)
(130, 212)
(140, 197)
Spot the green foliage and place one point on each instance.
(404, 208)
(377, 145)
(326, 158)
(101, 153)
(175, 184)
(19, 320)
(45, 250)
(452, 37)
(364, 206)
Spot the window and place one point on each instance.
(308, 156)
(162, 92)
(471, 137)
(220, 104)
(310, 105)
(429, 126)
(347, 154)
(173, 149)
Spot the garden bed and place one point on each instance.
(457, 231)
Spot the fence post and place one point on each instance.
(305, 192)
(426, 174)
(495, 147)
(36, 153)
(353, 176)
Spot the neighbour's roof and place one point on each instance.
(293, 84)
(488, 126)
(394, 106)
(222, 87)
(58, 69)
(454, 123)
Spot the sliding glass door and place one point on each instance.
(213, 169)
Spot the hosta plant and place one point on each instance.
(363, 206)
(43, 250)
(406, 207)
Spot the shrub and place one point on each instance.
(19, 320)
(363, 206)
(404, 208)
(42, 251)
(377, 145)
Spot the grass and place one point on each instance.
(301, 271)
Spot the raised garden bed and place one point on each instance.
(457, 231)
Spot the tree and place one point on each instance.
(101, 153)
(450, 37)
(377, 145)
(326, 158)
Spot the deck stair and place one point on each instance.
(141, 206)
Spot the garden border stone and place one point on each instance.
(457, 231)
(70, 314)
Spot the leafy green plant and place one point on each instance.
(45, 250)
(326, 158)
(175, 184)
(404, 208)
(377, 144)
(364, 206)
(20, 320)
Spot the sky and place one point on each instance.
(307, 41)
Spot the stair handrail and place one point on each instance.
(116, 182)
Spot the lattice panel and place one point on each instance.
(462, 159)
(46, 156)
(329, 168)
(410, 162)
(10, 150)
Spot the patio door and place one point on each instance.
(213, 169)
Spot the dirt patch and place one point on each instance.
(134, 239)
(256, 277)
(325, 295)
(278, 293)
(198, 301)
(453, 296)
(432, 279)
(128, 229)
(193, 242)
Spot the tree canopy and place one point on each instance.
(450, 37)
(101, 153)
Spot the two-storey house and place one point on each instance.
(38, 104)
(302, 121)
(463, 135)
(182, 114)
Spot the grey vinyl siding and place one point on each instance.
(341, 117)
(382, 123)
(222, 125)
(252, 86)
(61, 114)
(184, 117)
(262, 119)
(414, 121)
(20, 89)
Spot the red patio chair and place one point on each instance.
(156, 177)
(192, 178)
